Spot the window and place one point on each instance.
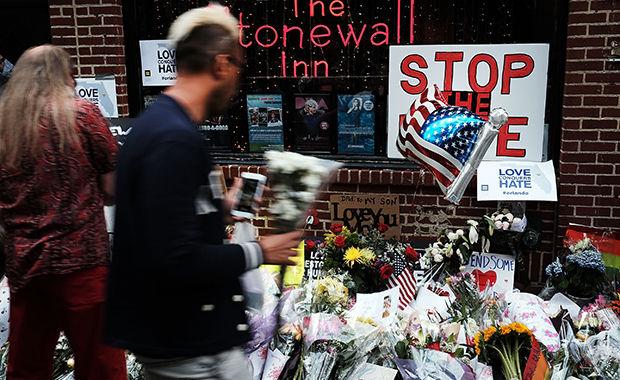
(344, 51)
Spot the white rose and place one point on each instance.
(452, 236)
(460, 232)
(312, 182)
(434, 251)
(510, 217)
(499, 217)
(438, 258)
(473, 235)
(505, 225)
(498, 224)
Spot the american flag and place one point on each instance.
(439, 136)
(403, 278)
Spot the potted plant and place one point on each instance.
(580, 275)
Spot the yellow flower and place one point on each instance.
(352, 255)
(477, 338)
(367, 254)
(505, 330)
(488, 333)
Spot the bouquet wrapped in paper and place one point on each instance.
(423, 364)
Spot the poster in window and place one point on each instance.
(356, 124)
(216, 133)
(314, 123)
(265, 122)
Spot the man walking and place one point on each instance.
(174, 294)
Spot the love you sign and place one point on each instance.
(496, 272)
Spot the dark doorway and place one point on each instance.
(23, 24)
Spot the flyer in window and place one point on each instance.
(215, 132)
(356, 124)
(315, 124)
(265, 122)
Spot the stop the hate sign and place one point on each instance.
(479, 77)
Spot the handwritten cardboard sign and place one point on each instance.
(362, 212)
(494, 271)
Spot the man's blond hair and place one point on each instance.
(212, 15)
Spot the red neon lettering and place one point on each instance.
(505, 136)
(313, 3)
(405, 68)
(316, 68)
(283, 64)
(509, 73)
(297, 64)
(314, 37)
(241, 27)
(385, 33)
(337, 8)
(275, 38)
(357, 39)
(296, 6)
(287, 29)
(473, 70)
(449, 58)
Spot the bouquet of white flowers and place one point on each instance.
(294, 180)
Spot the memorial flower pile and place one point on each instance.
(367, 260)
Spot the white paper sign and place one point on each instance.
(494, 271)
(101, 91)
(433, 300)
(517, 181)
(159, 66)
(381, 306)
(478, 77)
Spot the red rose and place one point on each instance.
(434, 346)
(310, 244)
(386, 271)
(383, 227)
(412, 254)
(336, 228)
(340, 241)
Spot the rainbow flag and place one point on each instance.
(607, 242)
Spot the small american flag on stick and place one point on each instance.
(403, 278)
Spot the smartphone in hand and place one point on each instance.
(251, 191)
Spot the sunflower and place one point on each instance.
(488, 333)
(353, 255)
(477, 339)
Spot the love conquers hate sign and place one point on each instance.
(481, 78)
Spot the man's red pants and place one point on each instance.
(72, 303)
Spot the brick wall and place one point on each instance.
(590, 156)
(424, 212)
(92, 32)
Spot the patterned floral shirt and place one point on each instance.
(52, 205)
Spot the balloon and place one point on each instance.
(448, 141)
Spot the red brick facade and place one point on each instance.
(590, 151)
(92, 32)
(589, 170)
